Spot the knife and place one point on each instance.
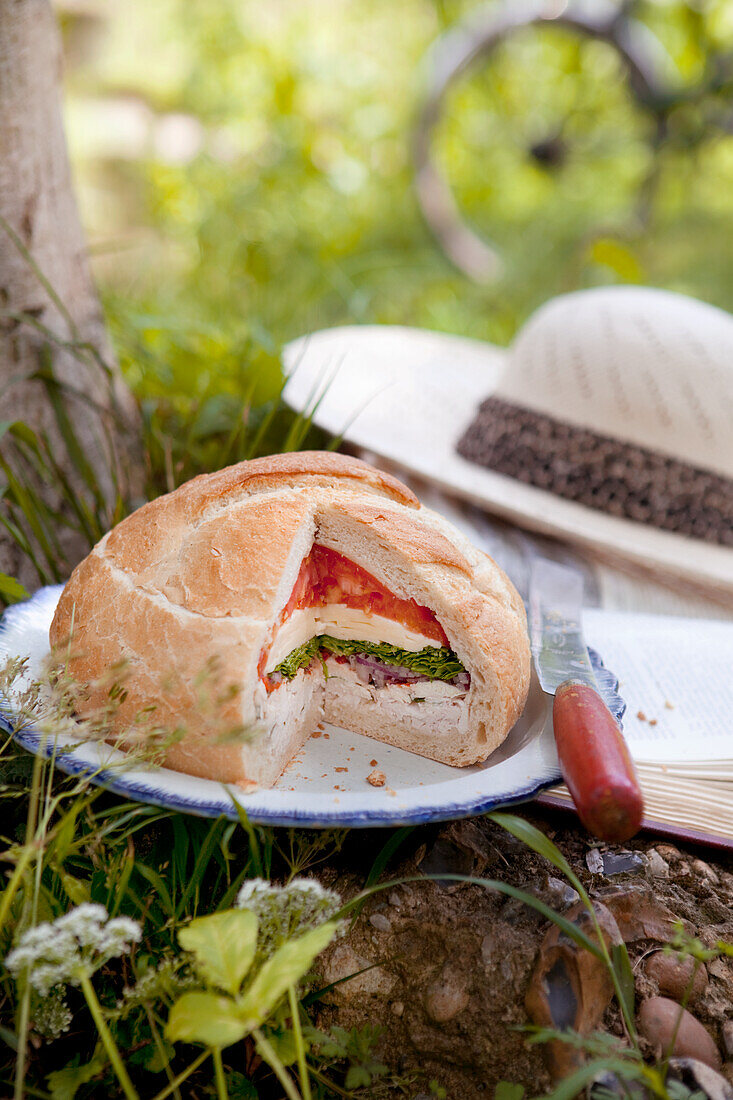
(594, 758)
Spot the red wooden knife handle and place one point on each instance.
(596, 764)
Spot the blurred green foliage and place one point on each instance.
(244, 173)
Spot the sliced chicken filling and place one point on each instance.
(340, 612)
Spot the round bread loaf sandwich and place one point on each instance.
(253, 603)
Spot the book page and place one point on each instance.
(676, 675)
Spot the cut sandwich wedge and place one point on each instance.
(251, 604)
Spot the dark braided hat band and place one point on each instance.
(600, 472)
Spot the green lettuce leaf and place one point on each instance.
(435, 662)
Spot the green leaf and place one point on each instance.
(435, 662)
(206, 1018)
(357, 1077)
(570, 1087)
(286, 967)
(505, 1090)
(223, 945)
(11, 590)
(65, 1083)
(240, 1087)
(625, 975)
(284, 1045)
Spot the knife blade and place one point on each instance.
(556, 633)
(594, 758)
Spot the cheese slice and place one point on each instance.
(342, 622)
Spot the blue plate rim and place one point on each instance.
(31, 739)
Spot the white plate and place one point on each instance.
(325, 786)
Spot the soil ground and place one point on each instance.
(449, 964)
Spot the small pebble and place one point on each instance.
(623, 863)
(668, 852)
(706, 871)
(672, 974)
(594, 861)
(699, 1080)
(445, 999)
(658, 1019)
(558, 893)
(377, 778)
(380, 922)
(658, 867)
(395, 899)
(397, 1008)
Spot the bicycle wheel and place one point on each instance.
(536, 132)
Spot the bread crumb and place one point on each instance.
(652, 721)
(340, 769)
(327, 736)
(668, 705)
(641, 716)
(372, 763)
(317, 733)
(389, 791)
(377, 778)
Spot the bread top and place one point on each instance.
(226, 548)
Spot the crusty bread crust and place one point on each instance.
(187, 592)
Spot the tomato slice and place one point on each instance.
(328, 577)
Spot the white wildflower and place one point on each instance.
(287, 911)
(73, 946)
(52, 1017)
(165, 981)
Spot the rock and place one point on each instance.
(728, 1038)
(639, 914)
(700, 1078)
(594, 862)
(445, 998)
(342, 962)
(658, 1020)
(705, 871)
(395, 899)
(673, 975)
(446, 858)
(658, 867)
(623, 863)
(669, 852)
(398, 1008)
(461, 848)
(570, 988)
(557, 893)
(380, 922)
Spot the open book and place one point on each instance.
(607, 404)
(676, 677)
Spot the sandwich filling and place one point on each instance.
(338, 610)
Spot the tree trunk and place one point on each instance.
(50, 315)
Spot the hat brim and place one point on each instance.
(408, 395)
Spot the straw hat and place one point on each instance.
(608, 422)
